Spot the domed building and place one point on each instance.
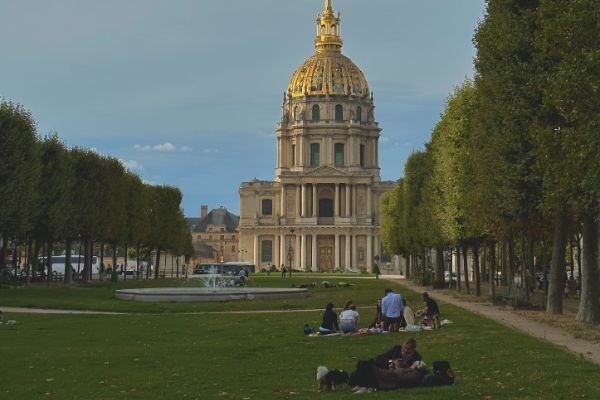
(322, 211)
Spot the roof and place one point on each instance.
(217, 216)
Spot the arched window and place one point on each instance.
(315, 155)
(323, 29)
(333, 29)
(359, 114)
(338, 156)
(316, 113)
(295, 113)
(339, 113)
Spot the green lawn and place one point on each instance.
(256, 355)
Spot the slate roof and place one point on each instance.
(217, 216)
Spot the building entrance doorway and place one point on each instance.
(326, 258)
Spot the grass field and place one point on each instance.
(162, 353)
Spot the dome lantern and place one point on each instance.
(328, 31)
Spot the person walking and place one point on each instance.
(283, 270)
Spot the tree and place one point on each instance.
(19, 172)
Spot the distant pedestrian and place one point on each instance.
(268, 269)
(283, 271)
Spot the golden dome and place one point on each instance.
(328, 72)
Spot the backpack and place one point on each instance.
(442, 374)
(307, 329)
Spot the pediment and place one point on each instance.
(326, 170)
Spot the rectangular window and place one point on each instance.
(233, 249)
(267, 251)
(315, 154)
(293, 154)
(267, 207)
(339, 154)
(222, 237)
(362, 155)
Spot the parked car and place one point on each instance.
(200, 270)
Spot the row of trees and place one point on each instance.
(512, 166)
(52, 196)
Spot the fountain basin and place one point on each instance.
(200, 295)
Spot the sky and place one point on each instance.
(188, 92)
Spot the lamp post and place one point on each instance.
(290, 251)
(242, 251)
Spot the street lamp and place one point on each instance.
(242, 251)
(290, 251)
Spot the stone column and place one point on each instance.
(282, 251)
(354, 252)
(296, 251)
(314, 200)
(282, 209)
(303, 253)
(354, 210)
(303, 195)
(336, 249)
(256, 255)
(348, 189)
(369, 211)
(298, 200)
(348, 260)
(369, 252)
(313, 251)
(336, 204)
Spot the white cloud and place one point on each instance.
(164, 147)
(211, 151)
(132, 165)
(142, 148)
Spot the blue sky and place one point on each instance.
(188, 92)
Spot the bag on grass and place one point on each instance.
(442, 374)
(307, 329)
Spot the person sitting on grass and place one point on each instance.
(349, 319)
(330, 322)
(432, 311)
(409, 314)
(378, 319)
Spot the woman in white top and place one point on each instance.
(349, 320)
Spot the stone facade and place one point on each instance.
(215, 236)
(322, 211)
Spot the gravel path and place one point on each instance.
(588, 350)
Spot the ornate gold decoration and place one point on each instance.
(328, 72)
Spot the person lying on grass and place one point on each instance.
(371, 373)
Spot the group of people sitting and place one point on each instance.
(399, 367)
(392, 314)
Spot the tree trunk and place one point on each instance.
(29, 262)
(3, 251)
(125, 273)
(68, 266)
(458, 280)
(15, 255)
(557, 268)
(466, 269)
(476, 269)
(83, 271)
(439, 268)
(114, 257)
(510, 261)
(493, 271)
(157, 267)
(49, 261)
(89, 259)
(589, 304)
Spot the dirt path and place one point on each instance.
(588, 350)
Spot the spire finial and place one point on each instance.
(328, 31)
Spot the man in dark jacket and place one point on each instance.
(367, 374)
